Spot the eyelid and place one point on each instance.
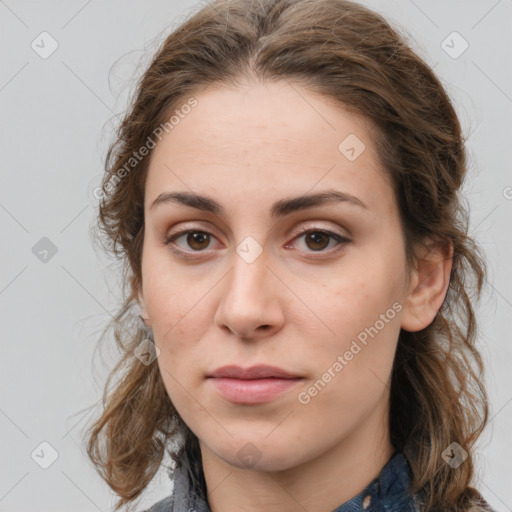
(315, 226)
(303, 227)
(185, 229)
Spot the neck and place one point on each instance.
(324, 483)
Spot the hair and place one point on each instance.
(353, 56)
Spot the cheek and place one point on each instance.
(351, 301)
(178, 306)
(361, 318)
(352, 369)
(170, 295)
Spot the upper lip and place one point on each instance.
(261, 371)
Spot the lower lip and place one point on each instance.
(256, 391)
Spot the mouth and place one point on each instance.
(255, 385)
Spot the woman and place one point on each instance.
(284, 194)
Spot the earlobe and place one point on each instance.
(428, 285)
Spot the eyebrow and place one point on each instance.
(279, 208)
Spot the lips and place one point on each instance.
(255, 385)
(254, 372)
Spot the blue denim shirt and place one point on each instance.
(386, 493)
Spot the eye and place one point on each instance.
(196, 240)
(317, 240)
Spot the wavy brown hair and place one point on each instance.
(354, 57)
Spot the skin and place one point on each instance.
(299, 305)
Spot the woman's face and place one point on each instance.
(258, 274)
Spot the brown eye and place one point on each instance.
(195, 241)
(198, 240)
(317, 240)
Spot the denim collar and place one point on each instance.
(386, 493)
(389, 492)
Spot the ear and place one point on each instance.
(144, 315)
(428, 285)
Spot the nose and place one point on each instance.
(251, 305)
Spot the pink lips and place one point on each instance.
(255, 385)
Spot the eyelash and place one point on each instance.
(342, 241)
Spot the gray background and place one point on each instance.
(57, 118)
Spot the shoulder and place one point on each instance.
(164, 505)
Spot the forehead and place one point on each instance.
(266, 138)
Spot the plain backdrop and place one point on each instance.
(57, 291)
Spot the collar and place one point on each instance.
(389, 492)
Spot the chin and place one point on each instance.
(261, 455)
